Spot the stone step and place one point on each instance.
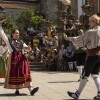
(37, 63)
(37, 66)
(38, 69)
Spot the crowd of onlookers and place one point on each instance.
(46, 48)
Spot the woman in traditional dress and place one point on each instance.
(91, 41)
(18, 71)
(3, 59)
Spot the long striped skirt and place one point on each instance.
(18, 72)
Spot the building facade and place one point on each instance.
(48, 8)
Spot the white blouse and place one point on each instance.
(5, 38)
(90, 39)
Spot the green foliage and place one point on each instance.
(9, 24)
(29, 17)
(36, 21)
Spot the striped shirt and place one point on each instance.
(90, 39)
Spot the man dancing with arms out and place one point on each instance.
(90, 40)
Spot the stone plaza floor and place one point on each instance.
(52, 86)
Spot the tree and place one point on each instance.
(29, 18)
(8, 24)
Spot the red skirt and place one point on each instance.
(19, 70)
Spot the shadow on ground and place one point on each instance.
(62, 81)
(1, 83)
(12, 94)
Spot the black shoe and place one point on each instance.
(34, 90)
(79, 80)
(17, 93)
(97, 97)
(73, 95)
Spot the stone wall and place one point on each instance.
(50, 7)
(47, 8)
(14, 8)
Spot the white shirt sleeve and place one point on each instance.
(24, 45)
(81, 41)
(1, 51)
(4, 37)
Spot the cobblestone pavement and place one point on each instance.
(52, 86)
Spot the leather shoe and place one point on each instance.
(17, 93)
(34, 90)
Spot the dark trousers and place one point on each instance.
(92, 66)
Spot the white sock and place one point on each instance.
(75, 64)
(82, 85)
(30, 88)
(71, 65)
(97, 83)
(80, 70)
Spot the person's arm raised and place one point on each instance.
(5, 38)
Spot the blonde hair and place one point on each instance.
(80, 32)
(95, 17)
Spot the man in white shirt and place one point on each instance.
(90, 40)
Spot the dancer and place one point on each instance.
(90, 40)
(80, 56)
(3, 59)
(18, 72)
